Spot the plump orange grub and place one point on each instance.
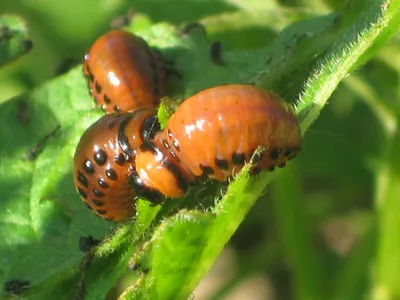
(124, 73)
(211, 136)
(104, 159)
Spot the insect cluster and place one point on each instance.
(212, 134)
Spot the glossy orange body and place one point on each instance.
(213, 133)
(124, 73)
(104, 159)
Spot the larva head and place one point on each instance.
(158, 173)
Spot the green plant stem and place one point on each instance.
(306, 271)
(370, 26)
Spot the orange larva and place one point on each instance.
(124, 73)
(211, 136)
(104, 159)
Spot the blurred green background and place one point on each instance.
(338, 175)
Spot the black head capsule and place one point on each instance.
(150, 127)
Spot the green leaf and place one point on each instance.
(167, 278)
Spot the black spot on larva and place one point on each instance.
(207, 170)
(98, 193)
(275, 153)
(109, 219)
(255, 171)
(82, 193)
(123, 140)
(100, 157)
(97, 87)
(222, 164)
(282, 164)
(106, 99)
(90, 74)
(179, 177)
(166, 144)
(103, 183)
(120, 159)
(238, 159)
(98, 202)
(294, 153)
(257, 157)
(149, 128)
(82, 179)
(88, 206)
(287, 152)
(88, 166)
(201, 178)
(101, 211)
(128, 158)
(176, 145)
(116, 108)
(111, 174)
